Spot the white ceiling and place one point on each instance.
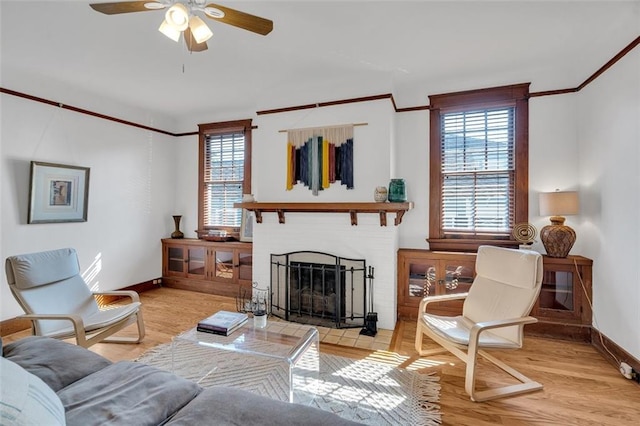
(318, 51)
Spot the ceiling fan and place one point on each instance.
(181, 17)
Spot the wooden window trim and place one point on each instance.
(216, 128)
(517, 95)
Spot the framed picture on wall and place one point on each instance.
(246, 227)
(58, 193)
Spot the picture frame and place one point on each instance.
(58, 193)
(246, 226)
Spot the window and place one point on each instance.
(478, 167)
(225, 173)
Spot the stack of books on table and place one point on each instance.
(222, 322)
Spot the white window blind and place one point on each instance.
(478, 187)
(223, 177)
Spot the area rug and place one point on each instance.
(366, 391)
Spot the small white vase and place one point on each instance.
(380, 194)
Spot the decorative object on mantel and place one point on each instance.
(558, 238)
(352, 208)
(177, 233)
(525, 234)
(318, 157)
(380, 194)
(397, 191)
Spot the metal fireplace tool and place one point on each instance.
(371, 320)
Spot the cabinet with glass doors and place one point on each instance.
(211, 267)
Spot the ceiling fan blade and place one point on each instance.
(191, 43)
(126, 7)
(242, 20)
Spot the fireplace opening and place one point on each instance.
(318, 288)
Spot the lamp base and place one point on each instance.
(557, 240)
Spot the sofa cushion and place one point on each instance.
(25, 399)
(56, 362)
(126, 393)
(225, 406)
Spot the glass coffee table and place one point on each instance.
(281, 360)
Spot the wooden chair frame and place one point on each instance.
(86, 339)
(469, 353)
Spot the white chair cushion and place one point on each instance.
(518, 268)
(506, 286)
(26, 400)
(457, 329)
(63, 297)
(98, 320)
(35, 269)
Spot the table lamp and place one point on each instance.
(558, 238)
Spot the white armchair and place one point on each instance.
(49, 288)
(495, 310)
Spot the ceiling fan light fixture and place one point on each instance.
(212, 12)
(199, 29)
(169, 31)
(153, 5)
(178, 16)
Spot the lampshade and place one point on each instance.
(199, 29)
(557, 238)
(178, 16)
(559, 203)
(169, 31)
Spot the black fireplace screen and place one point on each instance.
(318, 288)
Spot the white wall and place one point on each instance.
(131, 192)
(609, 158)
(412, 164)
(553, 146)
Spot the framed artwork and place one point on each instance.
(246, 226)
(58, 193)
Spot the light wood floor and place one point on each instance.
(580, 386)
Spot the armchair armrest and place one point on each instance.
(76, 320)
(124, 293)
(474, 335)
(441, 298)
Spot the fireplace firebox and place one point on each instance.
(319, 288)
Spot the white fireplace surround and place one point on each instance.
(333, 234)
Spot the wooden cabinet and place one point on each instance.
(209, 267)
(426, 273)
(563, 308)
(184, 261)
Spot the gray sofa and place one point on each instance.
(95, 391)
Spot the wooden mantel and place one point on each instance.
(352, 208)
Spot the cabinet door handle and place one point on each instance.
(440, 282)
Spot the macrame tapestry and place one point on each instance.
(319, 157)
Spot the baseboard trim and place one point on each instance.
(15, 325)
(138, 288)
(611, 351)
